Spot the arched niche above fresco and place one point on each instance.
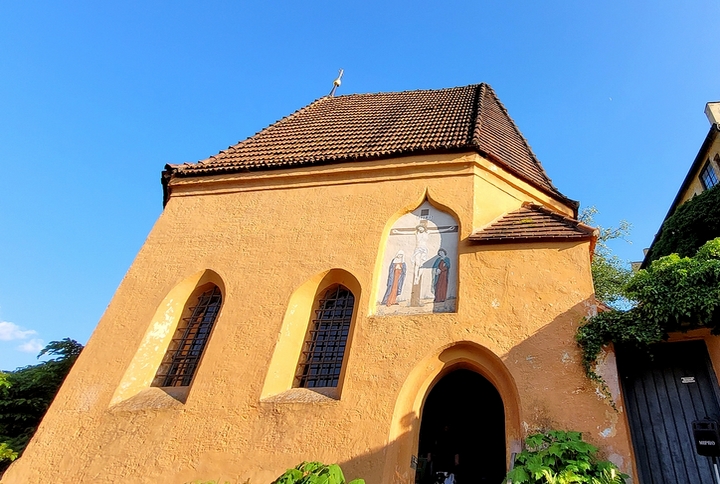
(418, 273)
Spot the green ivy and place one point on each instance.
(673, 294)
(689, 227)
(6, 453)
(315, 473)
(559, 457)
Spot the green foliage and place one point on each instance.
(66, 350)
(673, 294)
(559, 457)
(6, 453)
(25, 394)
(609, 273)
(315, 473)
(4, 383)
(691, 225)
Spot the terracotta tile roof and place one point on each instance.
(361, 127)
(533, 223)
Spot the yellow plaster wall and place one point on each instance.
(272, 238)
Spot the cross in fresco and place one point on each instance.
(421, 254)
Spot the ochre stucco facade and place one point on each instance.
(274, 240)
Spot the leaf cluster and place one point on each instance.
(689, 227)
(560, 457)
(609, 273)
(26, 394)
(315, 473)
(6, 453)
(673, 294)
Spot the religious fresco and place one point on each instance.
(419, 268)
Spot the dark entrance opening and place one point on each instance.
(462, 431)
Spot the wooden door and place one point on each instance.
(663, 395)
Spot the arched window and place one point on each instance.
(322, 356)
(187, 346)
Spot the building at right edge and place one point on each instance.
(664, 395)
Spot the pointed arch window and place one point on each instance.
(187, 346)
(324, 348)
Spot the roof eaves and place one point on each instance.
(553, 192)
(588, 233)
(481, 90)
(525, 238)
(524, 140)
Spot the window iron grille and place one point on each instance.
(324, 348)
(186, 348)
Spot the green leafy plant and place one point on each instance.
(6, 453)
(26, 393)
(4, 383)
(609, 273)
(689, 227)
(559, 457)
(673, 294)
(315, 473)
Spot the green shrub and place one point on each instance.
(6, 453)
(559, 457)
(689, 227)
(673, 294)
(315, 473)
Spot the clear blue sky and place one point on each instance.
(96, 97)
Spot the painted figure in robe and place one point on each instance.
(396, 277)
(441, 267)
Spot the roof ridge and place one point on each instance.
(523, 139)
(477, 118)
(408, 91)
(365, 126)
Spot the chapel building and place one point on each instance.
(376, 280)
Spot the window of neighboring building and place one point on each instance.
(187, 346)
(324, 349)
(708, 178)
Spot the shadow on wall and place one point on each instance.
(554, 394)
(370, 466)
(557, 395)
(552, 391)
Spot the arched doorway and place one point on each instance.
(463, 430)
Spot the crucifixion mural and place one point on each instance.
(429, 238)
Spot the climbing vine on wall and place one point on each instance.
(673, 294)
(693, 223)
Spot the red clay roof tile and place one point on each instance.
(361, 127)
(532, 222)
